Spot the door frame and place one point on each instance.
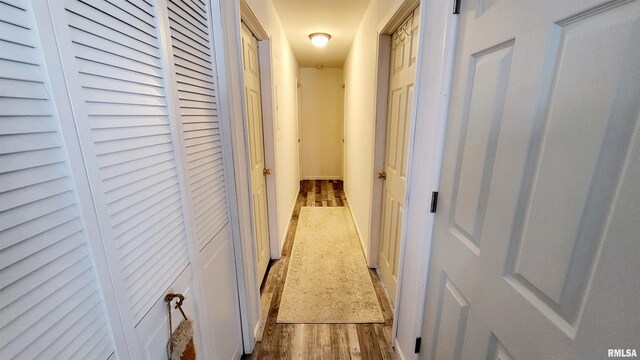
(397, 15)
(434, 72)
(227, 17)
(268, 104)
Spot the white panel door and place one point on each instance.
(195, 84)
(535, 252)
(51, 306)
(253, 107)
(404, 50)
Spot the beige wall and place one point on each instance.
(321, 123)
(359, 122)
(285, 73)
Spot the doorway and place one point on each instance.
(257, 163)
(321, 123)
(402, 73)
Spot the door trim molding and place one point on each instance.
(225, 18)
(396, 16)
(251, 20)
(268, 140)
(430, 104)
(434, 72)
(388, 25)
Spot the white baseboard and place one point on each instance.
(286, 231)
(322, 177)
(364, 248)
(399, 352)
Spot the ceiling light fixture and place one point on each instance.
(319, 39)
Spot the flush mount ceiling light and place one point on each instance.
(319, 39)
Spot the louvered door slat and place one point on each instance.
(177, 257)
(18, 4)
(21, 89)
(123, 60)
(32, 252)
(120, 97)
(15, 70)
(97, 68)
(170, 225)
(63, 316)
(26, 195)
(14, 33)
(190, 126)
(147, 273)
(83, 330)
(31, 159)
(17, 52)
(190, 71)
(19, 317)
(214, 156)
(124, 192)
(203, 173)
(37, 232)
(187, 86)
(210, 98)
(13, 125)
(65, 240)
(189, 21)
(209, 148)
(112, 84)
(79, 331)
(188, 41)
(32, 211)
(104, 45)
(198, 5)
(21, 179)
(129, 144)
(204, 157)
(107, 13)
(123, 181)
(124, 174)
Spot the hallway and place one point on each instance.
(324, 341)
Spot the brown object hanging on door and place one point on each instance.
(180, 346)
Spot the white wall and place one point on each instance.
(284, 74)
(321, 123)
(359, 118)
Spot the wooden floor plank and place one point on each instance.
(354, 344)
(340, 341)
(324, 192)
(317, 341)
(331, 197)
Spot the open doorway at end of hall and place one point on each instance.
(320, 124)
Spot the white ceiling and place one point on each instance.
(340, 18)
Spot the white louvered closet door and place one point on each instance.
(50, 303)
(113, 60)
(194, 81)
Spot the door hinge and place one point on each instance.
(434, 202)
(418, 343)
(456, 6)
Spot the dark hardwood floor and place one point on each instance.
(317, 341)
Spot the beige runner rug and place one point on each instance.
(328, 280)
